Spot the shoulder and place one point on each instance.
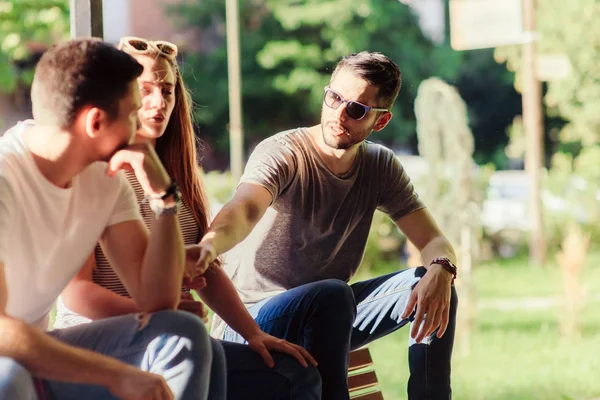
(286, 140)
(12, 157)
(379, 155)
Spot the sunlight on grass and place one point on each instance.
(518, 354)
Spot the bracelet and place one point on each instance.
(447, 265)
(172, 190)
(161, 205)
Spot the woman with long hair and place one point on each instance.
(97, 292)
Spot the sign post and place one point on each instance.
(86, 18)
(477, 24)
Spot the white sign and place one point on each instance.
(478, 24)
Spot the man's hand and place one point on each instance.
(141, 158)
(197, 260)
(263, 342)
(188, 304)
(135, 384)
(431, 296)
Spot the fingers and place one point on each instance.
(266, 356)
(444, 322)
(416, 324)
(201, 268)
(186, 296)
(167, 394)
(429, 325)
(305, 354)
(410, 306)
(194, 307)
(288, 348)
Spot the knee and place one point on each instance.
(15, 381)
(187, 329)
(307, 385)
(337, 297)
(296, 382)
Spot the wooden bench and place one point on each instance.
(362, 380)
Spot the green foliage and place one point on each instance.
(24, 25)
(288, 51)
(569, 28)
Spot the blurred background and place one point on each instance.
(497, 124)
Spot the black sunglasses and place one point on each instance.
(354, 109)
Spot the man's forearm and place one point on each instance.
(221, 296)
(163, 266)
(48, 358)
(437, 247)
(233, 223)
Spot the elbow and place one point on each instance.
(14, 334)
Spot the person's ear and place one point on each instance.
(382, 121)
(95, 118)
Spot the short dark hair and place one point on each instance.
(77, 73)
(378, 70)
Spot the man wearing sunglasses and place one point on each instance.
(302, 213)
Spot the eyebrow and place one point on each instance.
(169, 84)
(355, 101)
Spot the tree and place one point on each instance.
(568, 28)
(288, 51)
(26, 27)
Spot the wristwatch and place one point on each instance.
(447, 265)
(167, 203)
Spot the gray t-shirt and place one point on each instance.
(318, 223)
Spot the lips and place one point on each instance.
(338, 130)
(157, 119)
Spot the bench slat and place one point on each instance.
(362, 381)
(368, 396)
(359, 359)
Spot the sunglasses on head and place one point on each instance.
(144, 46)
(354, 109)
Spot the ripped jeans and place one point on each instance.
(172, 344)
(329, 318)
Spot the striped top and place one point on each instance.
(103, 273)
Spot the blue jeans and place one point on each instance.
(173, 344)
(166, 346)
(249, 378)
(329, 318)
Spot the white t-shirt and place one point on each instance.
(47, 232)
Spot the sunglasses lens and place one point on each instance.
(332, 99)
(355, 110)
(138, 44)
(167, 49)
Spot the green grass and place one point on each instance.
(517, 354)
(515, 279)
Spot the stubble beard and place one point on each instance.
(340, 145)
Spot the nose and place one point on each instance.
(156, 99)
(340, 112)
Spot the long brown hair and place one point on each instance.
(177, 149)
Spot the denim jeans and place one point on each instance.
(173, 344)
(329, 318)
(167, 346)
(249, 378)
